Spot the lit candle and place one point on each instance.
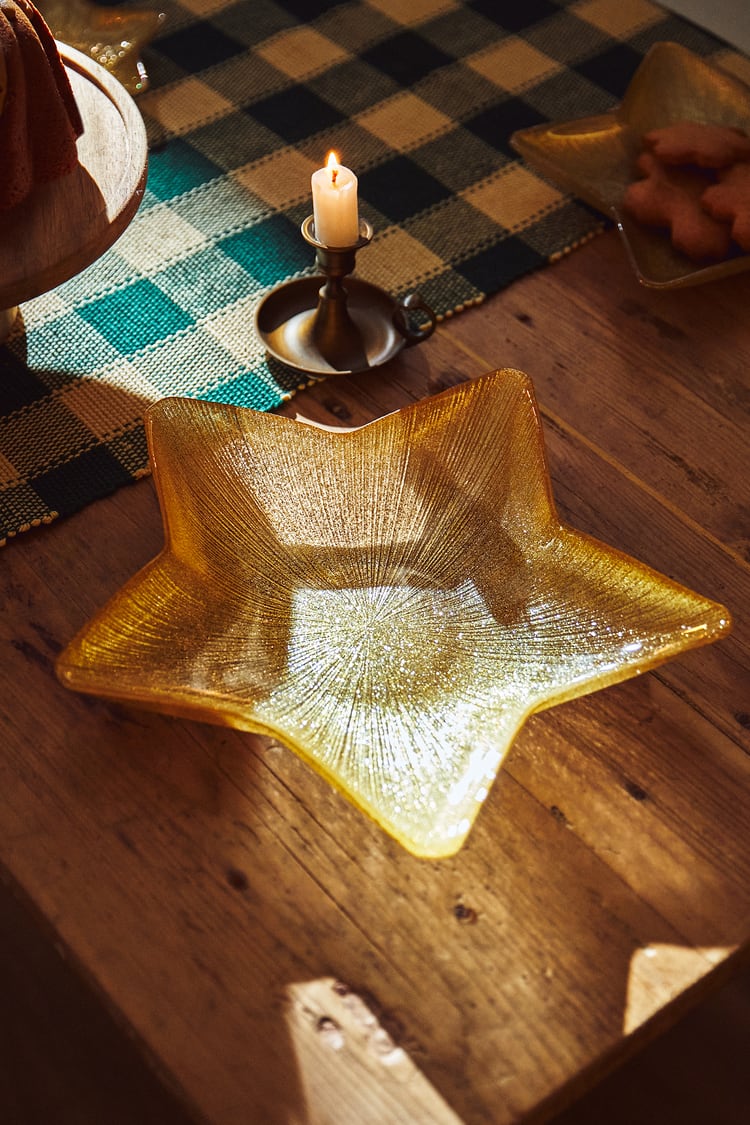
(335, 213)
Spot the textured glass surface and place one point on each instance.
(391, 602)
(594, 157)
(113, 37)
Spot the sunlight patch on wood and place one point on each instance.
(350, 1066)
(659, 972)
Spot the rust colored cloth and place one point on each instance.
(39, 120)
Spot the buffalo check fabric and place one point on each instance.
(246, 97)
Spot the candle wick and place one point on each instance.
(334, 174)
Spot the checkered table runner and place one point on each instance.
(419, 97)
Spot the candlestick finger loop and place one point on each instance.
(407, 312)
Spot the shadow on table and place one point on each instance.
(270, 889)
(64, 1058)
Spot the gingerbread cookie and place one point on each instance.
(693, 142)
(670, 198)
(729, 200)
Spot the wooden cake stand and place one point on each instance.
(65, 225)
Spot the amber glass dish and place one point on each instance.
(594, 157)
(113, 37)
(390, 602)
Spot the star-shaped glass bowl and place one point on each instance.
(594, 157)
(113, 37)
(391, 602)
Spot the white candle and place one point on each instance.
(335, 213)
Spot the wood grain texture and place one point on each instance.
(64, 1060)
(203, 880)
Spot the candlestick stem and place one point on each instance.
(334, 333)
(337, 327)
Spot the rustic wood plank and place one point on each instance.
(205, 882)
(658, 380)
(276, 825)
(64, 1060)
(694, 1073)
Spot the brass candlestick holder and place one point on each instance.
(337, 328)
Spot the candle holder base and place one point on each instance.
(324, 327)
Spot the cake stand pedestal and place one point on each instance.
(65, 225)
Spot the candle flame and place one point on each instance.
(332, 164)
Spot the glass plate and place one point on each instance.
(391, 602)
(593, 157)
(113, 37)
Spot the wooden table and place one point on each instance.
(276, 956)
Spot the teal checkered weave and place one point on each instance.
(246, 98)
